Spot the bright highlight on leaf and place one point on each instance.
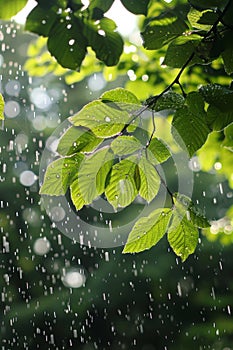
(93, 173)
(149, 178)
(182, 236)
(100, 156)
(148, 231)
(60, 174)
(122, 190)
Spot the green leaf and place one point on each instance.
(161, 30)
(227, 56)
(148, 231)
(136, 7)
(189, 130)
(217, 119)
(40, 20)
(60, 174)
(182, 236)
(157, 152)
(180, 50)
(97, 8)
(10, 8)
(77, 139)
(122, 189)
(196, 104)
(104, 40)
(185, 208)
(149, 178)
(202, 20)
(105, 120)
(76, 195)
(120, 95)
(228, 140)
(1, 107)
(203, 5)
(227, 18)
(124, 145)
(197, 219)
(169, 100)
(67, 43)
(93, 173)
(218, 96)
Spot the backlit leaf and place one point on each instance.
(157, 152)
(122, 189)
(105, 120)
(124, 145)
(182, 236)
(76, 195)
(60, 174)
(148, 231)
(77, 139)
(120, 95)
(93, 173)
(10, 8)
(149, 178)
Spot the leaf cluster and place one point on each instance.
(101, 155)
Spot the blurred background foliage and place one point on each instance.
(58, 294)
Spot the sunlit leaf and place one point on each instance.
(185, 208)
(149, 178)
(93, 173)
(120, 95)
(77, 139)
(124, 145)
(105, 120)
(60, 174)
(122, 190)
(157, 151)
(148, 231)
(182, 236)
(76, 195)
(10, 8)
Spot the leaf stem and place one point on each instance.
(166, 187)
(153, 130)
